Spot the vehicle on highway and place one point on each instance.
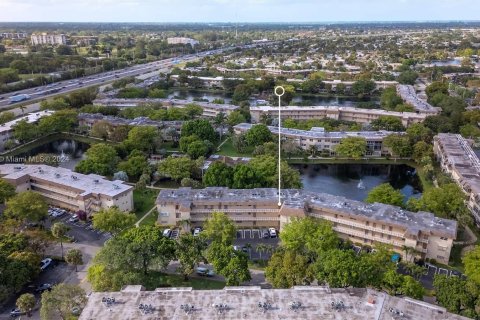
(44, 287)
(45, 263)
(16, 313)
(204, 272)
(19, 97)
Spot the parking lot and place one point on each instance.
(254, 237)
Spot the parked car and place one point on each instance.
(16, 313)
(73, 219)
(205, 272)
(45, 263)
(272, 232)
(196, 231)
(44, 287)
(167, 233)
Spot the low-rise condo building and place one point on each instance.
(300, 302)
(367, 224)
(358, 115)
(209, 109)
(46, 38)
(67, 189)
(326, 141)
(409, 95)
(6, 129)
(457, 158)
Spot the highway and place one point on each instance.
(66, 86)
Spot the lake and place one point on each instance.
(354, 181)
(71, 151)
(298, 99)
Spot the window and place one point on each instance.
(441, 248)
(443, 238)
(440, 257)
(164, 214)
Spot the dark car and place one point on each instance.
(16, 313)
(44, 287)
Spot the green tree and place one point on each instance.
(101, 129)
(241, 93)
(26, 302)
(235, 118)
(189, 253)
(218, 174)
(113, 220)
(101, 159)
(199, 127)
(421, 150)
(399, 145)
(60, 121)
(59, 231)
(197, 149)
(408, 77)
(386, 194)
(220, 228)
(24, 131)
(451, 293)
(6, 117)
(105, 279)
(7, 191)
(388, 123)
(471, 260)
(389, 99)
(338, 268)
(419, 132)
(258, 135)
(309, 235)
(228, 262)
(288, 268)
(412, 288)
(80, 98)
(61, 300)
(55, 104)
(28, 206)
(363, 87)
(435, 88)
(245, 177)
(177, 168)
(142, 138)
(392, 282)
(351, 147)
(446, 201)
(74, 257)
(134, 166)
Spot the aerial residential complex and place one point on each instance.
(46, 38)
(457, 158)
(300, 302)
(6, 129)
(67, 189)
(326, 141)
(87, 120)
(362, 223)
(409, 95)
(359, 115)
(182, 40)
(209, 109)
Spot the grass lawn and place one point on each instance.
(227, 149)
(157, 280)
(169, 146)
(150, 219)
(144, 201)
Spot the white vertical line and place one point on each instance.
(279, 150)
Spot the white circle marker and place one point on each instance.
(279, 92)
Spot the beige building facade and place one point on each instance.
(362, 223)
(69, 190)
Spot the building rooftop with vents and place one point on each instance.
(256, 303)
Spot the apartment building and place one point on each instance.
(209, 109)
(67, 189)
(457, 158)
(234, 303)
(358, 115)
(87, 120)
(362, 223)
(182, 40)
(13, 35)
(326, 141)
(409, 95)
(46, 38)
(6, 129)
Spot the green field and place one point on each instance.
(227, 149)
(144, 201)
(150, 219)
(158, 280)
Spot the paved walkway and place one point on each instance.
(137, 224)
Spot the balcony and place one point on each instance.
(350, 232)
(240, 218)
(235, 210)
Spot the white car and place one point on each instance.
(196, 231)
(73, 219)
(45, 263)
(272, 232)
(167, 233)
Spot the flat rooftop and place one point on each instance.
(320, 133)
(413, 222)
(140, 121)
(30, 118)
(243, 303)
(85, 184)
(409, 95)
(175, 102)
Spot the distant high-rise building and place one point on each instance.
(182, 40)
(46, 38)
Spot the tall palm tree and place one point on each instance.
(261, 248)
(249, 248)
(59, 230)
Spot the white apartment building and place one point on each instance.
(182, 40)
(67, 189)
(6, 129)
(358, 115)
(46, 38)
(457, 158)
(326, 141)
(362, 223)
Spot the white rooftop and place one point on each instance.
(30, 118)
(85, 184)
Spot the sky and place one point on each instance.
(237, 10)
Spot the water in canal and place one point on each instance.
(354, 181)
